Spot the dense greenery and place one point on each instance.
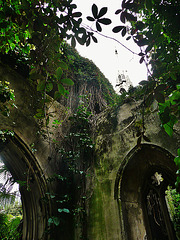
(10, 207)
(173, 199)
(9, 227)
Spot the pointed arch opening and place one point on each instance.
(140, 186)
(25, 169)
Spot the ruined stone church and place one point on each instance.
(117, 191)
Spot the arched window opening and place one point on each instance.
(33, 187)
(158, 218)
(141, 192)
(11, 213)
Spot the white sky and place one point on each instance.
(103, 52)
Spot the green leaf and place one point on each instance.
(41, 86)
(169, 126)
(178, 86)
(157, 29)
(39, 116)
(148, 4)
(57, 95)
(63, 65)
(168, 129)
(67, 81)
(54, 220)
(49, 87)
(177, 161)
(165, 116)
(65, 210)
(178, 152)
(59, 73)
(61, 89)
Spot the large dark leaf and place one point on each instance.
(118, 11)
(77, 14)
(98, 26)
(41, 85)
(105, 21)
(61, 89)
(146, 138)
(131, 17)
(165, 115)
(59, 73)
(102, 12)
(117, 29)
(88, 41)
(94, 39)
(149, 99)
(95, 11)
(160, 88)
(141, 60)
(143, 82)
(73, 42)
(123, 33)
(67, 81)
(159, 97)
(122, 17)
(143, 42)
(149, 48)
(90, 19)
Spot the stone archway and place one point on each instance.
(131, 187)
(25, 168)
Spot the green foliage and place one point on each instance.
(75, 151)
(173, 198)
(177, 161)
(85, 72)
(6, 98)
(9, 227)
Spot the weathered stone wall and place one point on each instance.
(112, 149)
(28, 153)
(115, 145)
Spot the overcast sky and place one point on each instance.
(103, 52)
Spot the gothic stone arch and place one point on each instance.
(131, 188)
(25, 168)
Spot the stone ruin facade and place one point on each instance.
(122, 180)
